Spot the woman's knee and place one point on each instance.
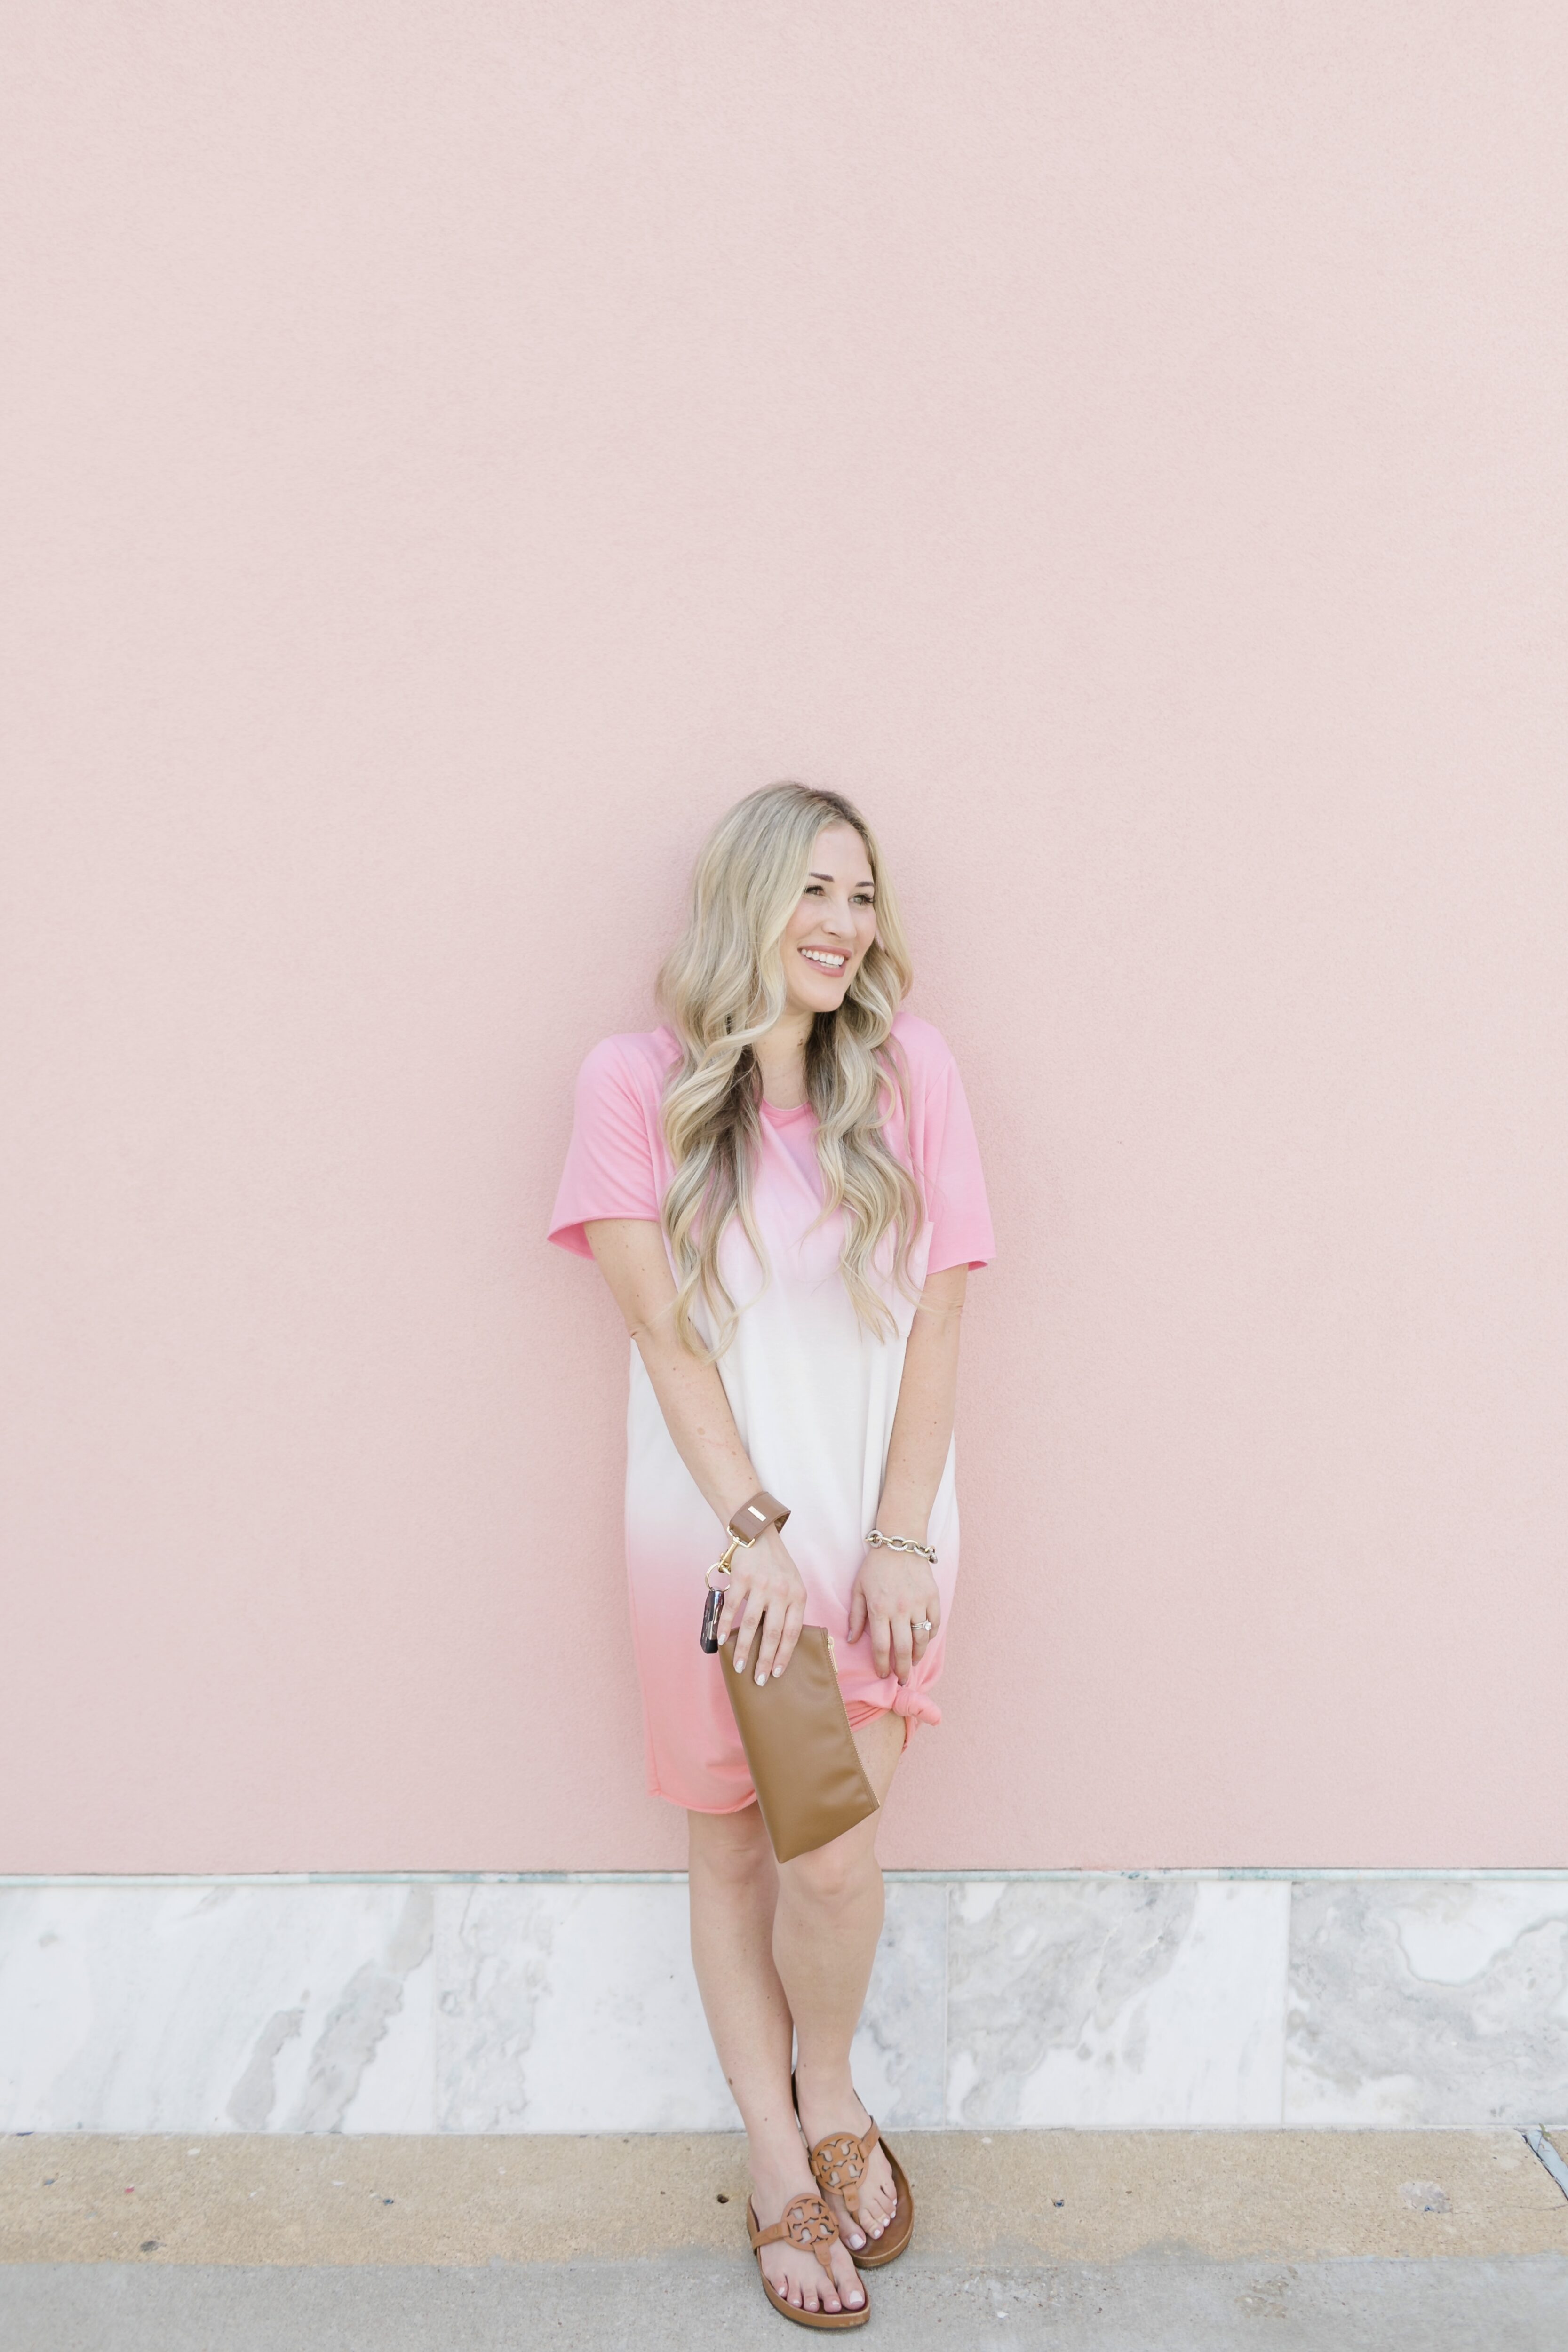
(835, 1876)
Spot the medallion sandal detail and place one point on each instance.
(839, 2167)
(808, 2224)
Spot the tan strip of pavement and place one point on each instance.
(1008, 2196)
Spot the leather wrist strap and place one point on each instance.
(755, 1517)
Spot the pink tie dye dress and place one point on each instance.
(812, 1391)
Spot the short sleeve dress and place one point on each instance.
(812, 1391)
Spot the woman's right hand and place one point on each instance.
(767, 1601)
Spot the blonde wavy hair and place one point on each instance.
(723, 987)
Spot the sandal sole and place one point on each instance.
(895, 2237)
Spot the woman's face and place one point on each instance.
(830, 931)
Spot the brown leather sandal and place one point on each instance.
(838, 2167)
(808, 2224)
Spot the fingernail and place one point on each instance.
(777, 1670)
(761, 1678)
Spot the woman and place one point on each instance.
(782, 1189)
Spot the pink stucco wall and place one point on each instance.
(455, 447)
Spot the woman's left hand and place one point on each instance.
(895, 1594)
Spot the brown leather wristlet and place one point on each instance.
(805, 1768)
(755, 1517)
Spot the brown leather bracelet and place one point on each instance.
(755, 1517)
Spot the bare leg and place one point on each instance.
(825, 1926)
(734, 1890)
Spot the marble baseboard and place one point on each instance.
(1116, 2002)
(1428, 2001)
(569, 2005)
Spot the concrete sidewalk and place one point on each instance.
(1152, 2241)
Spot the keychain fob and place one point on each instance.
(710, 1634)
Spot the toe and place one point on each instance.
(851, 2227)
(880, 2203)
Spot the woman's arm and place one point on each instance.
(896, 1589)
(767, 1593)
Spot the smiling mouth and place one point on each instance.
(823, 960)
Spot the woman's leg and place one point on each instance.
(734, 1889)
(825, 1926)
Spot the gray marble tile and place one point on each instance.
(1427, 2001)
(568, 2008)
(898, 2057)
(574, 2008)
(248, 2007)
(1108, 2001)
(554, 2007)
